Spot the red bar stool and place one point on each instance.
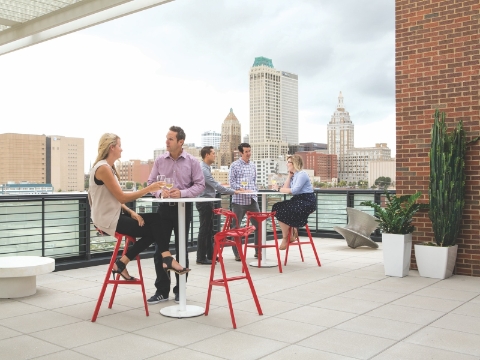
(260, 217)
(299, 243)
(221, 240)
(229, 216)
(116, 282)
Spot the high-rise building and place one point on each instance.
(230, 139)
(56, 160)
(66, 171)
(23, 158)
(211, 138)
(340, 135)
(246, 139)
(273, 115)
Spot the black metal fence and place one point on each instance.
(59, 225)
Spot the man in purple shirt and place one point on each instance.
(188, 183)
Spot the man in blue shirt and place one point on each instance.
(243, 175)
(205, 209)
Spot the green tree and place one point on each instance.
(342, 183)
(139, 186)
(383, 182)
(145, 184)
(129, 185)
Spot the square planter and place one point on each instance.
(397, 252)
(435, 261)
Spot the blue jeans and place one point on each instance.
(240, 211)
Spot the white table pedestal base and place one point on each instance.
(263, 263)
(175, 312)
(16, 287)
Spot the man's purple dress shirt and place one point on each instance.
(186, 172)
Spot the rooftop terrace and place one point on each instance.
(347, 309)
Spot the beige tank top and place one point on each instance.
(105, 208)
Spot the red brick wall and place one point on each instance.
(437, 66)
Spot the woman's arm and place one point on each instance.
(285, 189)
(104, 173)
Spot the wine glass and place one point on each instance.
(244, 182)
(169, 183)
(161, 179)
(274, 181)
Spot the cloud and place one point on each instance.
(186, 63)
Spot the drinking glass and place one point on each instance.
(161, 179)
(244, 182)
(169, 183)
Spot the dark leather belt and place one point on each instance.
(169, 204)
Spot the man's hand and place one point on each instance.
(175, 193)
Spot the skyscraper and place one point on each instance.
(273, 115)
(230, 139)
(340, 133)
(211, 138)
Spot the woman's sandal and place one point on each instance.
(120, 267)
(167, 260)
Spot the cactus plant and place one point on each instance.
(447, 180)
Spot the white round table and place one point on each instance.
(182, 310)
(18, 274)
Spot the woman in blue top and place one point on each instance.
(294, 212)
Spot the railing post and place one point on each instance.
(43, 226)
(86, 222)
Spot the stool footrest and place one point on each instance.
(221, 282)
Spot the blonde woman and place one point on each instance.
(107, 202)
(294, 212)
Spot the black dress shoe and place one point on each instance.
(204, 262)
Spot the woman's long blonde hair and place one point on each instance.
(297, 162)
(104, 144)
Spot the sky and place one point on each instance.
(186, 63)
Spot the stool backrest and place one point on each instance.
(229, 216)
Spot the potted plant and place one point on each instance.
(395, 221)
(447, 199)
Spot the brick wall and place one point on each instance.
(437, 66)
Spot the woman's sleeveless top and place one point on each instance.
(105, 208)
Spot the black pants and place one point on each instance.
(167, 217)
(205, 232)
(149, 233)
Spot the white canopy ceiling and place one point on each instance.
(28, 22)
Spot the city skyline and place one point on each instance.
(138, 75)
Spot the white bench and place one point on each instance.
(18, 274)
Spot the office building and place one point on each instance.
(136, 171)
(230, 139)
(340, 135)
(56, 160)
(211, 138)
(273, 115)
(324, 166)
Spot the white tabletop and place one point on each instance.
(178, 200)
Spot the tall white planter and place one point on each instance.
(435, 261)
(397, 250)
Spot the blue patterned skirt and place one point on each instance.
(294, 212)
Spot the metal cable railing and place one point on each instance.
(59, 225)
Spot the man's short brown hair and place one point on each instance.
(206, 150)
